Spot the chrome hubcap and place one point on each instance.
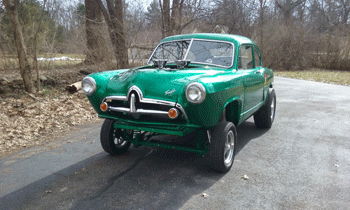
(272, 108)
(229, 148)
(118, 141)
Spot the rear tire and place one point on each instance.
(266, 115)
(223, 146)
(112, 139)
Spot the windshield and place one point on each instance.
(199, 51)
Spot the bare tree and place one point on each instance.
(173, 18)
(25, 68)
(114, 18)
(95, 42)
(287, 7)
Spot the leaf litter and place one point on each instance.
(25, 122)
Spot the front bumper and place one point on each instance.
(176, 129)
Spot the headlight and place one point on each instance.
(195, 93)
(88, 85)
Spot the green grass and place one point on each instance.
(326, 76)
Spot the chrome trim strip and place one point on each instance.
(138, 111)
(144, 100)
(132, 103)
(118, 98)
(182, 110)
(119, 109)
(138, 91)
(209, 136)
(149, 111)
(147, 101)
(159, 102)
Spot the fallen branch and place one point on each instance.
(32, 96)
(75, 87)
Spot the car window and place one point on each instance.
(171, 51)
(245, 57)
(257, 57)
(217, 53)
(211, 52)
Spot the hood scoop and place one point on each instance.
(160, 63)
(180, 64)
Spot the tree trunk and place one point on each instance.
(95, 42)
(115, 21)
(35, 63)
(24, 65)
(175, 17)
(122, 51)
(166, 18)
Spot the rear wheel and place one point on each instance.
(266, 115)
(112, 139)
(222, 146)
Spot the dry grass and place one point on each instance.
(326, 76)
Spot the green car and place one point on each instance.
(199, 84)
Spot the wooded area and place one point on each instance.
(291, 34)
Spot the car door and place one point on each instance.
(253, 78)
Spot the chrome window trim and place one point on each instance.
(189, 47)
(167, 42)
(221, 41)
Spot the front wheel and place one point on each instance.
(266, 115)
(223, 146)
(112, 140)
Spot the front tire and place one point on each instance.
(266, 115)
(223, 146)
(112, 139)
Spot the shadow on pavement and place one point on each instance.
(143, 178)
(246, 132)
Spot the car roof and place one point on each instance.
(236, 39)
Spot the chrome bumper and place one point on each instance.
(132, 109)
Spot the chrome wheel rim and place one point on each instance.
(273, 108)
(119, 141)
(229, 148)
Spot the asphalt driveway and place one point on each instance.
(302, 162)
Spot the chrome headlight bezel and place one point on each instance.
(88, 85)
(200, 88)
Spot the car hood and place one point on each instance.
(158, 83)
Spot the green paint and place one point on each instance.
(224, 86)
